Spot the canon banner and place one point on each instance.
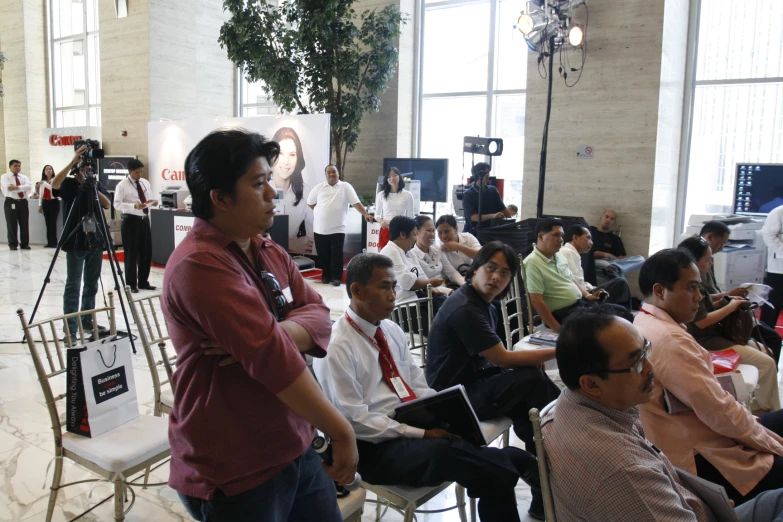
(304, 154)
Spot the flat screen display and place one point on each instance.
(433, 174)
(758, 188)
(112, 170)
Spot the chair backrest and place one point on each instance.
(513, 312)
(49, 359)
(528, 304)
(408, 315)
(543, 467)
(153, 333)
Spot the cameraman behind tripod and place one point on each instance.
(83, 249)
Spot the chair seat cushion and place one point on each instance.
(494, 428)
(750, 374)
(352, 503)
(411, 494)
(123, 447)
(167, 397)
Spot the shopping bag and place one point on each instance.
(101, 390)
(724, 361)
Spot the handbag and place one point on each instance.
(738, 326)
(724, 361)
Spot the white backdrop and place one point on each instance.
(58, 156)
(171, 141)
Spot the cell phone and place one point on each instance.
(603, 295)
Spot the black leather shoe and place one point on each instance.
(536, 509)
(134, 290)
(14, 248)
(26, 247)
(146, 287)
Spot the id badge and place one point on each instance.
(13, 206)
(399, 388)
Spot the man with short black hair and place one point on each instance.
(83, 250)
(600, 463)
(132, 197)
(492, 206)
(368, 372)
(719, 439)
(16, 188)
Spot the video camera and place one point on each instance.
(93, 152)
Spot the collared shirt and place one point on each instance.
(42, 188)
(435, 264)
(228, 429)
(552, 278)
(24, 185)
(602, 468)
(126, 195)
(464, 327)
(351, 377)
(772, 234)
(407, 270)
(719, 428)
(491, 203)
(575, 264)
(458, 259)
(710, 283)
(396, 204)
(331, 206)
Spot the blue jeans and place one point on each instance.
(87, 263)
(300, 492)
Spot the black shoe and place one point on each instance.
(326, 281)
(50, 246)
(536, 509)
(134, 290)
(336, 283)
(26, 247)
(13, 248)
(146, 287)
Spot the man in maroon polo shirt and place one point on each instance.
(240, 432)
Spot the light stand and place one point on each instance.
(102, 228)
(545, 139)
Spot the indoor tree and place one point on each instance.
(316, 56)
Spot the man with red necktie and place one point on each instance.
(16, 187)
(368, 371)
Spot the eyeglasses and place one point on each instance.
(277, 302)
(638, 366)
(505, 273)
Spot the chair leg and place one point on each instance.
(377, 508)
(119, 496)
(472, 510)
(463, 516)
(506, 437)
(146, 477)
(410, 513)
(58, 473)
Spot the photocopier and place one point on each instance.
(744, 258)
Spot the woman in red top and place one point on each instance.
(48, 205)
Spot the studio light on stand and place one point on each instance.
(548, 28)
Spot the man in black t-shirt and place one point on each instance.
(492, 206)
(608, 247)
(82, 240)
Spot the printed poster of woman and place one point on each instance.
(288, 175)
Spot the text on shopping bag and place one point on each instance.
(109, 385)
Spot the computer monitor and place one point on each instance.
(433, 174)
(758, 188)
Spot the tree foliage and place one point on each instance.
(316, 56)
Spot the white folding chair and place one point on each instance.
(543, 467)
(153, 333)
(408, 315)
(530, 317)
(513, 301)
(407, 500)
(352, 506)
(114, 455)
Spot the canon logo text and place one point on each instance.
(62, 141)
(173, 175)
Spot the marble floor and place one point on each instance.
(26, 444)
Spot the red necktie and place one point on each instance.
(21, 194)
(388, 366)
(141, 196)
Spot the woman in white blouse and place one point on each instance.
(392, 201)
(48, 205)
(432, 260)
(287, 176)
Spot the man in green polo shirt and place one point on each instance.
(553, 291)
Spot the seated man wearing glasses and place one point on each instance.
(718, 439)
(601, 466)
(464, 348)
(242, 425)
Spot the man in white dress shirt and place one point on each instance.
(579, 241)
(368, 371)
(329, 200)
(16, 187)
(132, 198)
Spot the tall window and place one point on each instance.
(252, 99)
(474, 72)
(74, 63)
(737, 98)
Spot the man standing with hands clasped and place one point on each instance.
(15, 187)
(132, 198)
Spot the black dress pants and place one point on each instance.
(488, 474)
(773, 421)
(563, 313)
(619, 292)
(51, 208)
(512, 393)
(329, 248)
(770, 315)
(17, 215)
(137, 249)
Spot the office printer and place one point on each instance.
(744, 258)
(174, 197)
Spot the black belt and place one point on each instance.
(133, 216)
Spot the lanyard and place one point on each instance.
(385, 356)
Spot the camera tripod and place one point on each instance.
(94, 216)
